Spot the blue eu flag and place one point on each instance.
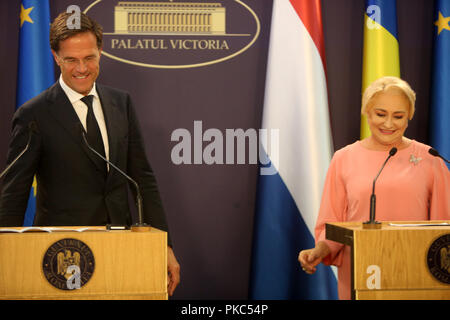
(440, 94)
(35, 65)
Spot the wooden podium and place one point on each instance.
(397, 262)
(110, 264)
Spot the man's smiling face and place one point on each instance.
(79, 60)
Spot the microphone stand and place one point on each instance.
(435, 153)
(31, 129)
(140, 226)
(372, 224)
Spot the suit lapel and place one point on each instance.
(109, 112)
(62, 111)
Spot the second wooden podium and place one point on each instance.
(83, 265)
(403, 260)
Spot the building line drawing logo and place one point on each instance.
(175, 26)
(169, 18)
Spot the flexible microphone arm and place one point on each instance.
(435, 153)
(31, 128)
(141, 223)
(372, 224)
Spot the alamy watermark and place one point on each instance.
(374, 13)
(74, 21)
(228, 148)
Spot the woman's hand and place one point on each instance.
(310, 258)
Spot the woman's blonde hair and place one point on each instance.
(383, 84)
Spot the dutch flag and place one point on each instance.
(296, 104)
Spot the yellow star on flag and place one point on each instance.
(442, 23)
(25, 15)
(34, 185)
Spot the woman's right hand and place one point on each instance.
(310, 258)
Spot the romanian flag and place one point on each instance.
(381, 49)
(440, 92)
(35, 65)
(288, 200)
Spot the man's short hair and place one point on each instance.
(60, 32)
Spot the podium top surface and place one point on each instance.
(68, 229)
(395, 225)
(344, 232)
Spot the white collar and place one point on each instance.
(72, 94)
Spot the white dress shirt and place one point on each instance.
(81, 109)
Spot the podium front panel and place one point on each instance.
(126, 265)
(392, 263)
(397, 262)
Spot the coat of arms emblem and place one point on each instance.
(65, 260)
(438, 259)
(68, 264)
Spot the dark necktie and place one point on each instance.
(94, 136)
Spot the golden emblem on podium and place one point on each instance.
(68, 264)
(65, 260)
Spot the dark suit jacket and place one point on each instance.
(71, 189)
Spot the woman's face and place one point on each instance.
(388, 117)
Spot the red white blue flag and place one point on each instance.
(296, 104)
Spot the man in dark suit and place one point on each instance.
(76, 187)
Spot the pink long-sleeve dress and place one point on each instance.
(414, 185)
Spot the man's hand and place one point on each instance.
(173, 271)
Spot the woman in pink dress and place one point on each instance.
(414, 185)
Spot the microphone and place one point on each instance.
(435, 153)
(372, 224)
(140, 225)
(32, 128)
